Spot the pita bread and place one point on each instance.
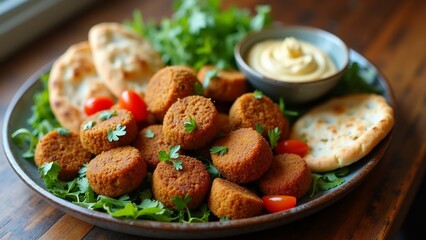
(73, 80)
(123, 58)
(343, 130)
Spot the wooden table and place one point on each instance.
(391, 33)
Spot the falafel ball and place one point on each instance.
(193, 179)
(150, 141)
(249, 110)
(65, 149)
(205, 122)
(167, 86)
(227, 199)
(108, 129)
(288, 175)
(247, 159)
(116, 172)
(226, 86)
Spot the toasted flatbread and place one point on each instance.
(73, 79)
(123, 58)
(343, 130)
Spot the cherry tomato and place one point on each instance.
(131, 101)
(96, 104)
(292, 146)
(276, 203)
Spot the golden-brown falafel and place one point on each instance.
(247, 159)
(65, 149)
(167, 86)
(97, 131)
(227, 199)
(202, 111)
(288, 175)
(227, 86)
(193, 179)
(116, 172)
(249, 110)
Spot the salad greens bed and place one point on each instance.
(198, 33)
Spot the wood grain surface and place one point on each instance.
(390, 33)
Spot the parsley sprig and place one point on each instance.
(185, 215)
(210, 74)
(171, 157)
(284, 111)
(149, 133)
(258, 94)
(105, 115)
(274, 135)
(190, 125)
(119, 131)
(89, 125)
(259, 128)
(63, 131)
(221, 150)
(328, 180)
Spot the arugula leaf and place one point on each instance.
(89, 124)
(105, 115)
(221, 150)
(274, 135)
(190, 125)
(149, 134)
(119, 131)
(259, 128)
(258, 94)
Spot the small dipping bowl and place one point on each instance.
(294, 92)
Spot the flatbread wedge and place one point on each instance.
(123, 58)
(343, 130)
(73, 80)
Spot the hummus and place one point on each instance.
(290, 60)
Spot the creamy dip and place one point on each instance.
(290, 60)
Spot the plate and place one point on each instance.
(19, 111)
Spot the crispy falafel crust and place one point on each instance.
(227, 199)
(248, 158)
(67, 151)
(167, 86)
(95, 139)
(192, 179)
(288, 175)
(116, 172)
(203, 111)
(247, 111)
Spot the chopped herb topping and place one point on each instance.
(149, 134)
(221, 150)
(285, 112)
(171, 157)
(258, 94)
(105, 115)
(63, 131)
(190, 125)
(89, 124)
(119, 131)
(274, 136)
(209, 75)
(198, 89)
(259, 128)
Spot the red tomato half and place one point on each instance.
(131, 101)
(96, 104)
(292, 146)
(276, 203)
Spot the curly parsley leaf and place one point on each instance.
(89, 124)
(258, 94)
(149, 133)
(221, 150)
(274, 135)
(119, 131)
(259, 128)
(190, 125)
(105, 115)
(328, 180)
(177, 164)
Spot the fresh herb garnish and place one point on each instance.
(285, 112)
(213, 172)
(171, 157)
(149, 133)
(190, 125)
(186, 216)
(223, 219)
(326, 181)
(209, 75)
(258, 94)
(119, 131)
(89, 124)
(105, 115)
(221, 150)
(63, 131)
(274, 135)
(259, 128)
(198, 89)
(177, 38)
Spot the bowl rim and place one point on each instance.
(276, 29)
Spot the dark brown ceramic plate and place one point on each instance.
(19, 111)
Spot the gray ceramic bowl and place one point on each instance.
(294, 92)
